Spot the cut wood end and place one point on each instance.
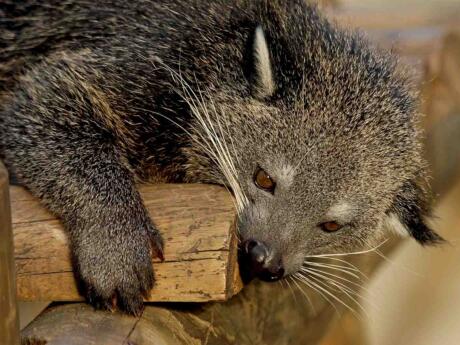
(196, 222)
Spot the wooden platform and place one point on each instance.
(196, 222)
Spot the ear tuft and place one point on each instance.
(416, 224)
(262, 69)
(425, 236)
(409, 215)
(414, 227)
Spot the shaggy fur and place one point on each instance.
(97, 95)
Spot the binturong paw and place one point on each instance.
(114, 267)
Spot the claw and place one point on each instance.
(158, 253)
(113, 302)
(157, 246)
(120, 283)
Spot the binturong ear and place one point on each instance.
(409, 215)
(261, 74)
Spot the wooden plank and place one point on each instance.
(9, 323)
(196, 222)
(263, 313)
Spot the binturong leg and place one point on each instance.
(53, 138)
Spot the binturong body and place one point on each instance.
(313, 130)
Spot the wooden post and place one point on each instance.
(9, 325)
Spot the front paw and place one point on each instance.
(116, 270)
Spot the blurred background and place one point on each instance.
(414, 297)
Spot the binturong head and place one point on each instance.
(323, 154)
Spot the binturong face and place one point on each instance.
(322, 159)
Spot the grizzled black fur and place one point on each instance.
(95, 95)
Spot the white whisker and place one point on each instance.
(323, 286)
(351, 266)
(305, 281)
(319, 281)
(336, 276)
(292, 291)
(329, 276)
(205, 149)
(208, 134)
(327, 292)
(305, 294)
(341, 269)
(404, 268)
(351, 253)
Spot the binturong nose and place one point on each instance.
(255, 262)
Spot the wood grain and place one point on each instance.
(262, 314)
(9, 325)
(196, 222)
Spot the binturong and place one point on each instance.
(313, 130)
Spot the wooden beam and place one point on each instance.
(253, 317)
(196, 222)
(263, 313)
(9, 324)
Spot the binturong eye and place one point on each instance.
(263, 181)
(330, 226)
